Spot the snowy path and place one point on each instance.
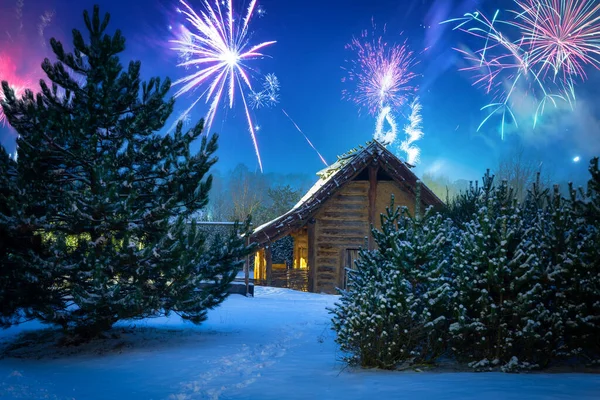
(277, 345)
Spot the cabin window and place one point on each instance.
(349, 258)
(301, 258)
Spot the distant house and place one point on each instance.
(332, 221)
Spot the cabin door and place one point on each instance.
(350, 255)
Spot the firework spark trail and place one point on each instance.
(219, 47)
(414, 132)
(557, 39)
(306, 137)
(269, 97)
(385, 137)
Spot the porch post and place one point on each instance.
(269, 260)
(247, 269)
(312, 267)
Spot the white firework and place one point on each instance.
(218, 46)
(385, 137)
(414, 132)
(267, 97)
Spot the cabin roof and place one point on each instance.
(332, 178)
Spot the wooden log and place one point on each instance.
(344, 215)
(350, 198)
(330, 223)
(342, 232)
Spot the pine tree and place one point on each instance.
(394, 312)
(582, 280)
(113, 198)
(538, 321)
(11, 296)
(483, 272)
(20, 247)
(462, 207)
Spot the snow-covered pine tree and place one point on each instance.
(538, 280)
(11, 296)
(20, 246)
(393, 313)
(483, 274)
(113, 197)
(582, 281)
(462, 207)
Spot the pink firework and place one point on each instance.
(561, 35)
(547, 40)
(381, 73)
(218, 47)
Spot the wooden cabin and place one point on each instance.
(332, 221)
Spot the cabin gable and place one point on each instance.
(332, 222)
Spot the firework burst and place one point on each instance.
(267, 97)
(380, 73)
(218, 46)
(381, 80)
(555, 40)
(562, 36)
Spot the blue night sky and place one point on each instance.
(307, 59)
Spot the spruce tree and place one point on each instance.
(112, 197)
(483, 276)
(464, 205)
(539, 281)
(582, 280)
(394, 312)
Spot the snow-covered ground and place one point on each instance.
(277, 345)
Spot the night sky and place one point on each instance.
(308, 59)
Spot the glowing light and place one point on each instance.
(576, 159)
(260, 10)
(219, 48)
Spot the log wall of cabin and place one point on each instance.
(341, 223)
